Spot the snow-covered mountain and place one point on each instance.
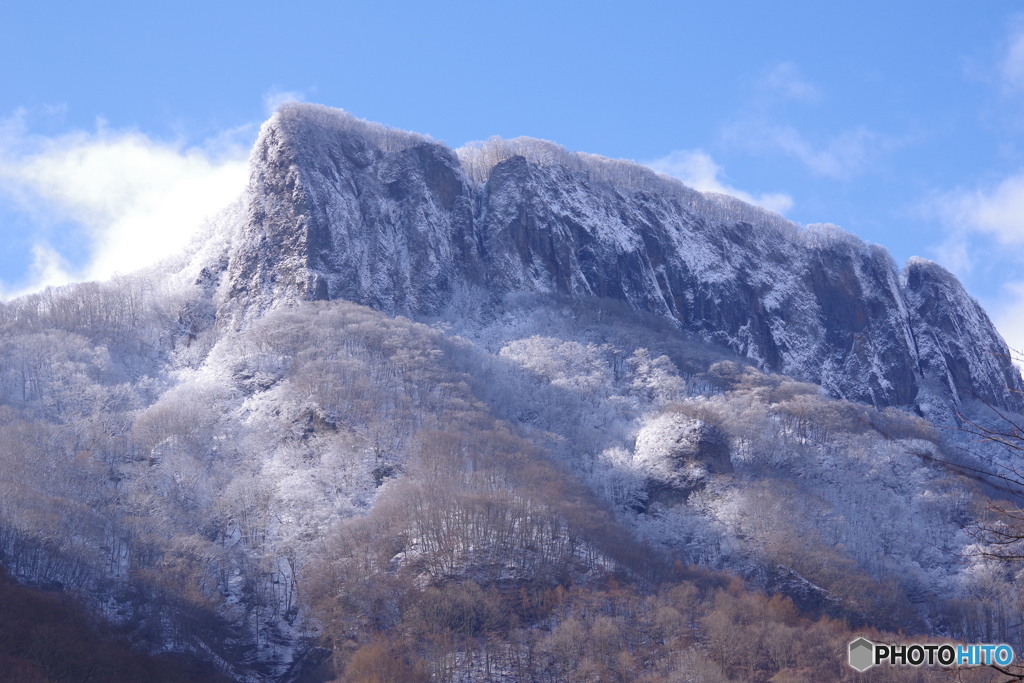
(609, 390)
(338, 208)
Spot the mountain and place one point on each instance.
(338, 208)
(506, 413)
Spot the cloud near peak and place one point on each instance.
(697, 169)
(986, 220)
(130, 200)
(997, 211)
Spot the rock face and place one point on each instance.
(340, 208)
(678, 454)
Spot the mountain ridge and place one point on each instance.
(342, 208)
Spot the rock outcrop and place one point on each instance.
(341, 208)
(678, 454)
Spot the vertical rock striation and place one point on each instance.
(342, 208)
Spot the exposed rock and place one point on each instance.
(679, 453)
(340, 208)
(959, 353)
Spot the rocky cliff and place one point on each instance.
(342, 208)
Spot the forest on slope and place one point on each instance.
(565, 491)
(576, 459)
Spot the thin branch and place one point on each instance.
(977, 474)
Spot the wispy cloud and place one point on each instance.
(840, 157)
(954, 253)
(1008, 315)
(763, 128)
(48, 268)
(130, 199)
(984, 225)
(275, 97)
(786, 81)
(997, 211)
(697, 169)
(987, 219)
(1011, 68)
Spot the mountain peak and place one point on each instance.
(340, 208)
(308, 126)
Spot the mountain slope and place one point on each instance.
(568, 466)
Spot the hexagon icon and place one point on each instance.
(862, 654)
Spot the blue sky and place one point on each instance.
(122, 125)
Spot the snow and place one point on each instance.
(573, 299)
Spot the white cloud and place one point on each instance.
(976, 220)
(1008, 315)
(954, 253)
(48, 268)
(997, 211)
(842, 157)
(698, 170)
(983, 226)
(1012, 67)
(839, 156)
(785, 80)
(274, 98)
(131, 200)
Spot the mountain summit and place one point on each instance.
(339, 208)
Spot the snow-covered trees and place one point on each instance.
(299, 118)
(331, 460)
(479, 158)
